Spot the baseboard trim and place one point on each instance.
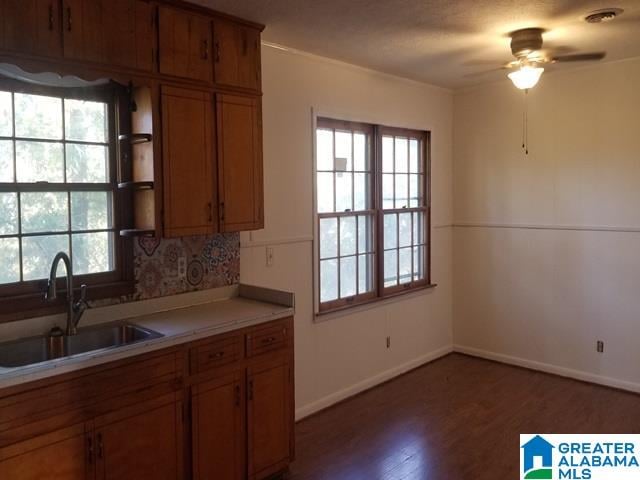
(550, 368)
(368, 383)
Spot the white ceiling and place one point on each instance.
(436, 41)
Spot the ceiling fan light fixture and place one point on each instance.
(526, 77)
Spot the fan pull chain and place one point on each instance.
(525, 123)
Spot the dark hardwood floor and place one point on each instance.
(458, 418)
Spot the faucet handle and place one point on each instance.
(83, 293)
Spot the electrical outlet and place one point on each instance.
(600, 346)
(269, 252)
(388, 342)
(182, 266)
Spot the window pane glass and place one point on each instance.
(37, 116)
(38, 253)
(402, 190)
(343, 151)
(418, 228)
(324, 149)
(328, 280)
(90, 211)
(347, 236)
(44, 212)
(6, 117)
(390, 231)
(361, 159)
(404, 261)
(344, 199)
(86, 121)
(415, 190)
(414, 166)
(390, 268)
(39, 162)
(401, 155)
(92, 252)
(6, 160)
(347, 277)
(418, 262)
(404, 228)
(8, 214)
(365, 234)
(10, 260)
(387, 154)
(325, 192)
(87, 163)
(365, 273)
(387, 190)
(328, 237)
(361, 193)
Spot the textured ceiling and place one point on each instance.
(440, 42)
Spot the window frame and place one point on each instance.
(379, 292)
(25, 299)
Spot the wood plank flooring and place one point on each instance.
(457, 418)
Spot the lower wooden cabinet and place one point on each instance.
(142, 442)
(60, 455)
(269, 410)
(218, 429)
(218, 409)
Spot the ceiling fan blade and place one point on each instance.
(485, 72)
(579, 57)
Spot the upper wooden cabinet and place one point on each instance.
(113, 32)
(240, 187)
(31, 27)
(188, 162)
(237, 54)
(185, 44)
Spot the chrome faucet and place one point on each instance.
(74, 309)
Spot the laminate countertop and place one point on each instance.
(248, 306)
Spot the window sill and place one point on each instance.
(373, 303)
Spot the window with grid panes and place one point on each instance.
(372, 212)
(58, 189)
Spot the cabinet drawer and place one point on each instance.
(267, 339)
(215, 354)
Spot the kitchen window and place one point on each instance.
(372, 212)
(58, 191)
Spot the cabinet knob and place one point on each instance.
(217, 47)
(51, 16)
(205, 50)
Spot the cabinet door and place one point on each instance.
(114, 32)
(185, 44)
(141, 442)
(269, 418)
(240, 186)
(237, 55)
(187, 156)
(218, 429)
(31, 27)
(61, 455)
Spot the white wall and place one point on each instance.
(343, 355)
(547, 246)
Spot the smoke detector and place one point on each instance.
(603, 15)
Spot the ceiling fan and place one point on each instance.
(526, 46)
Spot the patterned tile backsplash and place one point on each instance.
(170, 266)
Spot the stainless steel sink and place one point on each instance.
(33, 350)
